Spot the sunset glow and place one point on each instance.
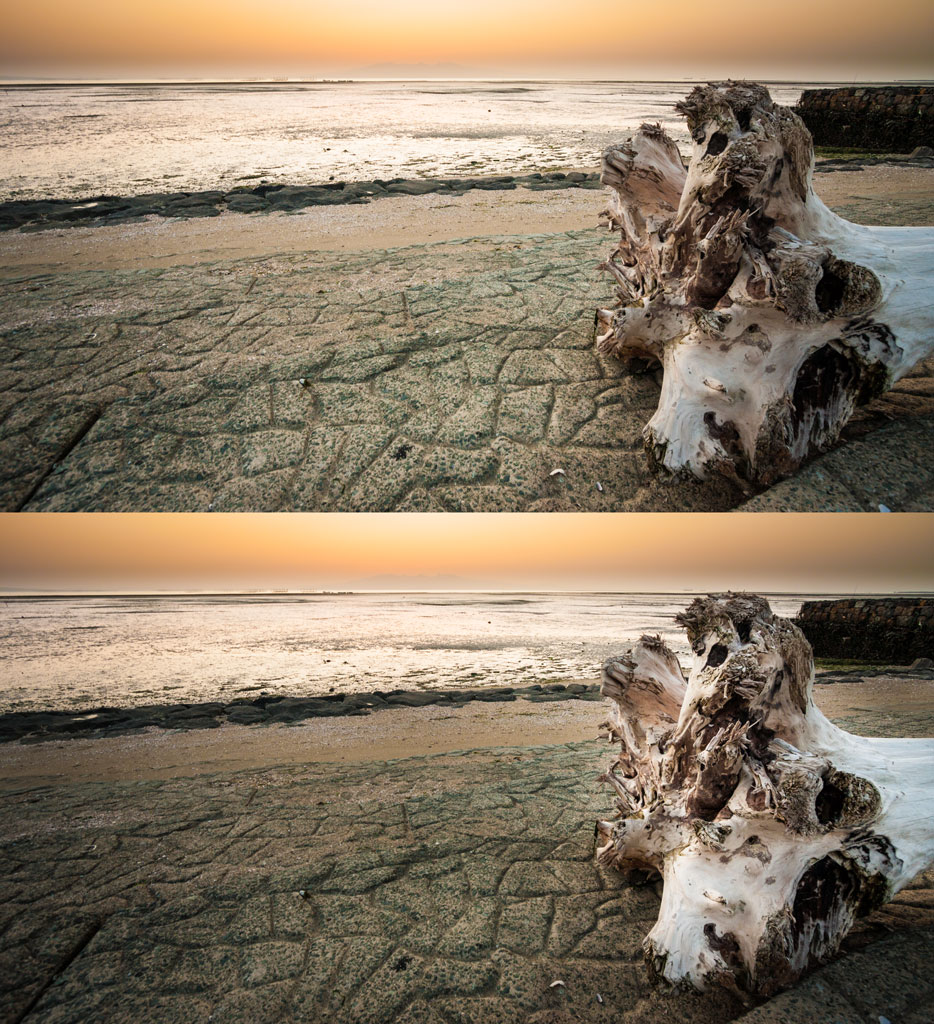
(657, 552)
(623, 38)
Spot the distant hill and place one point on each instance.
(389, 70)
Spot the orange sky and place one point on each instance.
(602, 551)
(621, 36)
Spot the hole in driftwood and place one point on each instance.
(829, 293)
(824, 378)
(717, 144)
(728, 435)
(717, 655)
(825, 889)
(846, 288)
(846, 799)
(829, 804)
(641, 363)
(726, 945)
(831, 891)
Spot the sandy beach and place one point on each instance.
(387, 223)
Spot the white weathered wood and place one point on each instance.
(772, 317)
(772, 829)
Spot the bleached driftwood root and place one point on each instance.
(772, 829)
(771, 317)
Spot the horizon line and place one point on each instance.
(32, 593)
(52, 81)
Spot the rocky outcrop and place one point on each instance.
(892, 630)
(894, 119)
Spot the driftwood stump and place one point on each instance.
(772, 829)
(772, 318)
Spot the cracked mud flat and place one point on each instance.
(449, 376)
(451, 889)
(455, 376)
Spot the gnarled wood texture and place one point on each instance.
(771, 317)
(772, 829)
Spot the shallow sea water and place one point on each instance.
(71, 652)
(87, 140)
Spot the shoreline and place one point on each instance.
(50, 212)
(397, 222)
(38, 725)
(881, 194)
(891, 702)
(397, 734)
(53, 212)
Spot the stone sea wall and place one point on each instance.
(880, 119)
(893, 631)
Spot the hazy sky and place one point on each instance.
(809, 553)
(681, 38)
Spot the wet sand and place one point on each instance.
(397, 733)
(878, 192)
(382, 736)
(383, 224)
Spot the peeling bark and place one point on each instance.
(772, 829)
(771, 317)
